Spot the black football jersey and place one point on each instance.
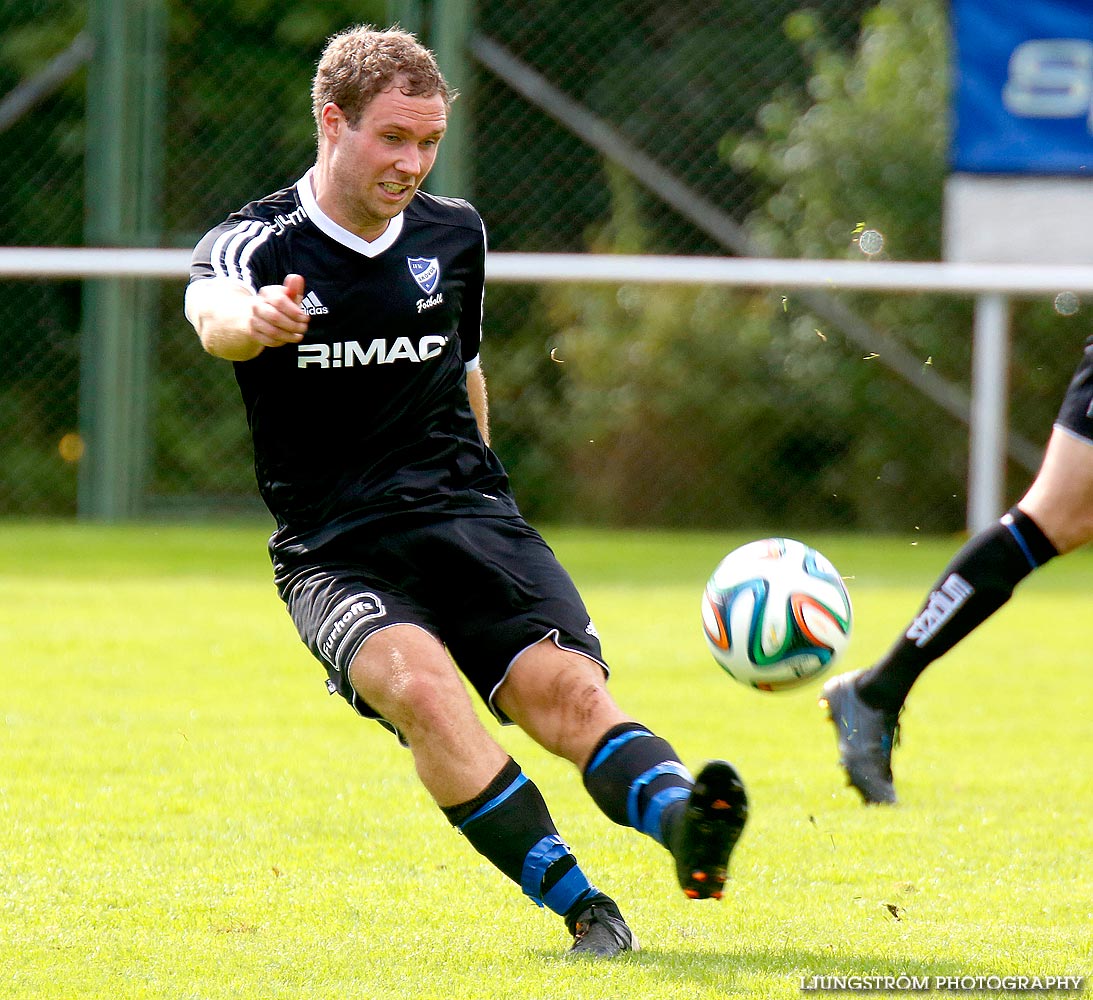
(368, 416)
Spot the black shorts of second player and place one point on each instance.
(1076, 412)
(486, 587)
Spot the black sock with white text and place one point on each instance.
(980, 579)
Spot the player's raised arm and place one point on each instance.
(237, 324)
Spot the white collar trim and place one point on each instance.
(339, 233)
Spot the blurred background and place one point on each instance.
(727, 127)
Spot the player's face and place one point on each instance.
(374, 170)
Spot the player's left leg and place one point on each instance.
(522, 636)
(559, 697)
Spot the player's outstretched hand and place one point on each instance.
(277, 317)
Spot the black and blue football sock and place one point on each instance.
(508, 823)
(978, 581)
(637, 780)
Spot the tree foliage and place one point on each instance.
(633, 404)
(719, 407)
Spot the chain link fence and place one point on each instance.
(692, 128)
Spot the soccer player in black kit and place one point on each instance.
(1054, 517)
(351, 305)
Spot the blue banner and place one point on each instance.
(1023, 86)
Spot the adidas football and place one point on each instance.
(776, 614)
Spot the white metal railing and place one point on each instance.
(755, 272)
(992, 285)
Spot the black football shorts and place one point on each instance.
(1076, 413)
(486, 587)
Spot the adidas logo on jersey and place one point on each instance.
(313, 306)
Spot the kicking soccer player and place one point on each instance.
(351, 305)
(1054, 517)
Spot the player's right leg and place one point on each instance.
(406, 676)
(382, 657)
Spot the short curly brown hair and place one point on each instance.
(362, 62)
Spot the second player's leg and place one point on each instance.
(1060, 499)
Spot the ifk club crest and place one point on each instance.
(426, 272)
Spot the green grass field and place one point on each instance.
(185, 812)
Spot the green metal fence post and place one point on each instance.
(452, 23)
(407, 14)
(445, 26)
(125, 106)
